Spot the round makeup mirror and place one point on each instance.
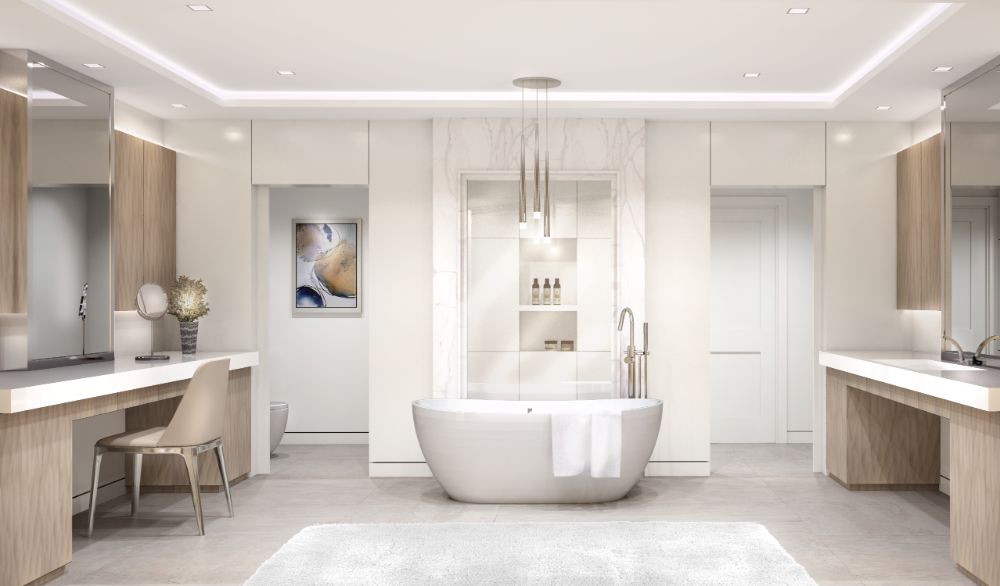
(151, 304)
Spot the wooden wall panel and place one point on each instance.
(129, 225)
(13, 202)
(877, 442)
(36, 493)
(931, 214)
(160, 215)
(975, 493)
(167, 472)
(919, 210)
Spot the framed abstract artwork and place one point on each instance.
(327, 267)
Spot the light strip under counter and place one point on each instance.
(34, 389)
(977, 387)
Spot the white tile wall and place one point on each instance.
(492, 294)
(594, 301)
(493, 209)
(547, 376)
(493, 375)
(594, 209)
(594, 371)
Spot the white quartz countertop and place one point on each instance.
(922, 372)
(25, 390)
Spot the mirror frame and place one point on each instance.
(109, 355)
(985, 69)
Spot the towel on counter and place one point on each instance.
(606, 445)
(570, 443)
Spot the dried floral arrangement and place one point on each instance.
(187, 299)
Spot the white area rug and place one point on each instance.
(691, 554)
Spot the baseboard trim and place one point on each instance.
(799, 437)
(678, 469)
(324, 438)
(399, 470)
(113, 489)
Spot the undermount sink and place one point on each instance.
(924, 364)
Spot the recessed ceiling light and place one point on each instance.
(178, 105)
(798, 11)
(883, 108)
(285, 72)
(36, 65)
(93, 66)
(751, 75)
(942, 69)
(200, 7)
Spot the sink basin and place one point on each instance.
(924, 364)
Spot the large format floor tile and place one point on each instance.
(842, 538)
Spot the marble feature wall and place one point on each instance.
(468, 146)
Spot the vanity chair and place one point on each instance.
(196, 427)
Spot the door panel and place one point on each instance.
(743, 323)
(969, 286)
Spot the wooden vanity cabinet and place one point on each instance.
(919, 212)
(13, 202)
(145, 217)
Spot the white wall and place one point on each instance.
(214, 225)
(801, 313)
(310, 152)
(399, 301)
(768, 153)
(138, 123)
(678, 259)
(318, 364)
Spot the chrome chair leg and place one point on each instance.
(225, 477)
(95, 480)
(191, 461)
(136, 481)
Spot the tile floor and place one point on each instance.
(841, 537)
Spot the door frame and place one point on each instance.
(779, 204)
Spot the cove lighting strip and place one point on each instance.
(225, 97)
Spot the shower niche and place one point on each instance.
(521, 346)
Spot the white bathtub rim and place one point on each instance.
(504, 407)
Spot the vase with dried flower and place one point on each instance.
(187, 302)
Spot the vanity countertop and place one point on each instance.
(922, 372)
(25, 390)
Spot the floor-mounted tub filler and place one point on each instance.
(524, 451)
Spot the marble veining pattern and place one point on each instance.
(612, 147)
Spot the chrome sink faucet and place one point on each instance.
(976, 358)
(961, 353)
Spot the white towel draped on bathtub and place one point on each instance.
(570, 443)
(584, 440)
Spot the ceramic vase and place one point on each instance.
(189, 337)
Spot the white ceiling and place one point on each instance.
(398, 58)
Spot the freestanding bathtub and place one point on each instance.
(484, 451)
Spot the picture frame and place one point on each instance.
(327, 264)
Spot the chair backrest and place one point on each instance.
(201, 416)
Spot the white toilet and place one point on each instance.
(279, 419)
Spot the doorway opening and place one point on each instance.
(763, 343)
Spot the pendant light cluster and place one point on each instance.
(541, 204)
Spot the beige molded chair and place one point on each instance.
(196, 427)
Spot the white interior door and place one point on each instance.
(970, 243)
(746, 242)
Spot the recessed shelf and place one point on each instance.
(547, 308)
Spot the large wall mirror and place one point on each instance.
(67, 224)
(972, 187)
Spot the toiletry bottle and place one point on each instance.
(547, 293)
(557, 293)
(534, 293)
